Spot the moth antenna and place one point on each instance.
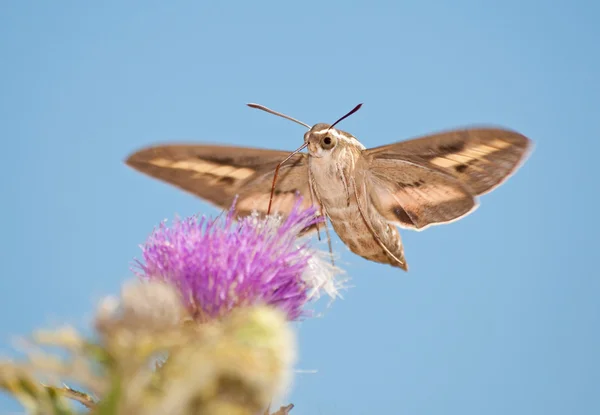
(293, 153)
(279, 114)
(347, 115)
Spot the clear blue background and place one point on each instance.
(499, 313)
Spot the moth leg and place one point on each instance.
(314, 197)
(329, 241)
(312, 202)
(340, 170)
(329, 244)
(219, 215)
(368, 223)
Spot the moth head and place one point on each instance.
(321, 139)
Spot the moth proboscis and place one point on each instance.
(365, 193)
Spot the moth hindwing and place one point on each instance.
(365, 193)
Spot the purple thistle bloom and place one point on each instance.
(220, 264)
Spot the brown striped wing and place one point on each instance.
(435, 179)
(218, 173)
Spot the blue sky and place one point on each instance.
(499, 313)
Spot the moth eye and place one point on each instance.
(327, 143)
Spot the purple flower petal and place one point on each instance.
(220, 264)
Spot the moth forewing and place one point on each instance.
(218, 174)
(480, 158)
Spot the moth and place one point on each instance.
(366, 193)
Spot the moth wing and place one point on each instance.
(218, 173)
(390, 241)
(415, 197)
(480, 158)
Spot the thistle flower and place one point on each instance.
(234, 365)
(243, 279)
(221, 264)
